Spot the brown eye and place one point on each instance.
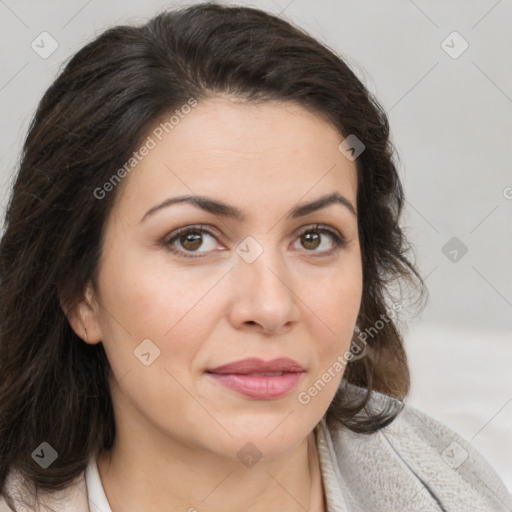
(313, 237)
(188, 241)
(196, 241)
(191, 241)
(311, 240)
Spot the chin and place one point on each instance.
(272, 436)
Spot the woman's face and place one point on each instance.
(183, 289)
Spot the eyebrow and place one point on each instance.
(225, 210)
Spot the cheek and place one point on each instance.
(334, 300)
(332, 307)
(149, 299)
(154, 324)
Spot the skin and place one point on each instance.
(178, 430)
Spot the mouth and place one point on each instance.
(258, 379)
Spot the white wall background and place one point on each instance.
(451, 121)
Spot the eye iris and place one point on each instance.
(311, 238)
(191, 240)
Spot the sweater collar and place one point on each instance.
(331, 476)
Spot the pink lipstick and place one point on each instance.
(258, 379)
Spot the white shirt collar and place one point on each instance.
(97, 500)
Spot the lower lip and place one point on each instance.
(260, 387)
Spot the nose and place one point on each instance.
(263, 296)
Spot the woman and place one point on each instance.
(195, 300)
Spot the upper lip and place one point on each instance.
(255, 365)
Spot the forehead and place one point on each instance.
(245, 153)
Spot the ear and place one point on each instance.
(83, 317)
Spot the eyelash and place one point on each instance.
(339, 241)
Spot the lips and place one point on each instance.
(258, 366)
(258, 379)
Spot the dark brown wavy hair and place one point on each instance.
(53, 386)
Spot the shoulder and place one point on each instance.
(74, 497)
(416, 463)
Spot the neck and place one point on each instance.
(135, 477)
